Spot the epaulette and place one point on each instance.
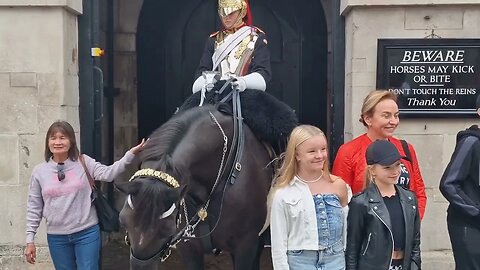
(258, 29)
(214, 34)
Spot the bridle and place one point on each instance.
(187, 231)
(234, 157)
(171, 182)
(162, 216)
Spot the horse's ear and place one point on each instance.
(128, 187)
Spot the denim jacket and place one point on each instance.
(293, 222)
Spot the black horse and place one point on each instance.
(184, 163)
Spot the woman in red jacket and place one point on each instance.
(380, 116)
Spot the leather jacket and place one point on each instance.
(369, 237)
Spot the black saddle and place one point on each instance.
(270, 119)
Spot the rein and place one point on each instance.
(238, 140)
(234, 157)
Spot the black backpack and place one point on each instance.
(406, 150)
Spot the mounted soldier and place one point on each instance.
(238, 52)
(237, 58)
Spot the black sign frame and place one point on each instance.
(387, 51)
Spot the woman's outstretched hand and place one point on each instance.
(138, 148)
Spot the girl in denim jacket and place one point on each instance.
(307, 215)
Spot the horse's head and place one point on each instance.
(179, 156)
(150, 214)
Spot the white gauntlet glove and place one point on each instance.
(250, 81)
(239, 84)
(198, 84)
(206, 81)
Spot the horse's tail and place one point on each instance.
(275, 162)
(271, 192)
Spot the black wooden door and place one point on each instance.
(171, 37)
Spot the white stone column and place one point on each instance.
(38, 85)
(366, 21)
(125, 75)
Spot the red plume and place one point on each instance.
(248, 17)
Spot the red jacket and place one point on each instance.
(350, 165)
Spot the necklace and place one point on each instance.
(310, 181)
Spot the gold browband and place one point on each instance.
(163, 176)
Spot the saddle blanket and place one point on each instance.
(270, 119)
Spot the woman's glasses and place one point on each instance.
(60, 171)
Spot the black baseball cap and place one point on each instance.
(382, 152)
(477, 103)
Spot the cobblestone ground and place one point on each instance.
(115, 257)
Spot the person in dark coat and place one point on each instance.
(460, 185)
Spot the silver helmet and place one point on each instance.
(226, 7)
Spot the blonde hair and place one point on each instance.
(289, 165)
(368, 176)
(371, 101)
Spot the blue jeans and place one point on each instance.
(332, 258)
(76, 251)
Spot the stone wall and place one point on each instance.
(434, 139)
(38, 85)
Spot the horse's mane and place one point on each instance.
(166, 138)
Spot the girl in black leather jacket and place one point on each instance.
(383, 230)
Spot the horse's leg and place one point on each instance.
(247, 254)
(260, 248)
(191, 253)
